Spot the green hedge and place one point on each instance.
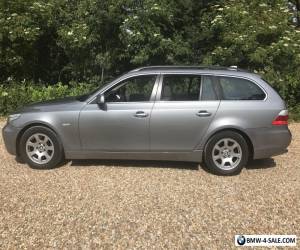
(15, 95)
(295, 113)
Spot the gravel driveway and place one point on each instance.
(128, 204)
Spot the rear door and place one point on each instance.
(184, 108)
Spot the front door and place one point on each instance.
(124, 124)
(185, 107)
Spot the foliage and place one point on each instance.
(17, 95)
(94, 40)
(267, 44)
(294, 113)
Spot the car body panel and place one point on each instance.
(9, 135)
(60, 115)
(269, 141)
(193, 156)
(175, 126)
(116, 128)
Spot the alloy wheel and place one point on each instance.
(39, 148)
(227, 153)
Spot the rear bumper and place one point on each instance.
(269, 142)
(9, 134)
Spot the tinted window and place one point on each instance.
(181, 88)
(208, 92)
(240, 89)
(135, 89)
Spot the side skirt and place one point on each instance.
(195, 156)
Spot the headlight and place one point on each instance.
(13, 117)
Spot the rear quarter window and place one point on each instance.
(240, 89)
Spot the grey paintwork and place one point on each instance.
(170, 130)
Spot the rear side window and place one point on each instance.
(208, 93)
(181, 88)
(240, 89)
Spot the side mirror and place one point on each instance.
(101, 101)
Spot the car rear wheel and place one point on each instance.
(40, 148)
(226, 153)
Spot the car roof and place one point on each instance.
(232, 70)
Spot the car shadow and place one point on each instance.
(137, 164)
(261, 164)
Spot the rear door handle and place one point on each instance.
(140, 114)
(203, 113)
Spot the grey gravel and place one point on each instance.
(146, 205)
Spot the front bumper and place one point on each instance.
(9, 134)
(269, 142)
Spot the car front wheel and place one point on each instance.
(226, 153)
(40, 148)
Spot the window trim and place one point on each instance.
(244, 78)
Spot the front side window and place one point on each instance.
(240, 89)
(181, 88)
(134, 89)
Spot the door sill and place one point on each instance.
(194, 156)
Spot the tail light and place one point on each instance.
(282, 118)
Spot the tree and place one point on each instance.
(94, 40)
(296, 6)
(26, 36)
(257, 35)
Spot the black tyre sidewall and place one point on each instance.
(211, 143)
(58, 149)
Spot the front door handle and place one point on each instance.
(203, 113)
(140, 114)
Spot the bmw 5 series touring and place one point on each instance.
(222, 116)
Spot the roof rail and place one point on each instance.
(174, 67)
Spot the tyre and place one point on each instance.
(41, 148)
(226, 153)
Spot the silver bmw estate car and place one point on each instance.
(221, 116)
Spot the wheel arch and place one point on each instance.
(30, 125)
(237, 130)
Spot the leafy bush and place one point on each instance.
(295, 113)
(15, 95)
